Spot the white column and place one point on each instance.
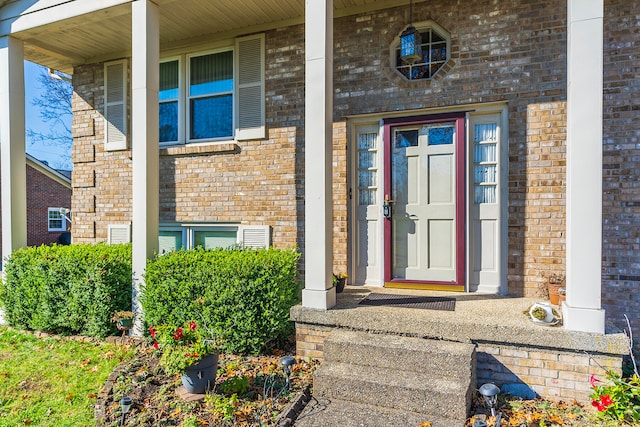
(12, 146)
(318, 224)
(582, 310)
(145, 76)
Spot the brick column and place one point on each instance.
(582, 310)
(318, 224)
(145, 77)
(12, 146)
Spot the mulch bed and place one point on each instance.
(237, 399)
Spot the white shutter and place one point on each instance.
(250, 87)
(115, 105)
(255, 236)
(119, 233)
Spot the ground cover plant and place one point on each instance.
(52, 381)
(239, 398)
(517, 412)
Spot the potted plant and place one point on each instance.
(339, 281)
(123, 319)
(190, 351)
(555, 282)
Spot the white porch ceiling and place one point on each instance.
(107, 32)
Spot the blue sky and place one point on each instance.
(56, 156)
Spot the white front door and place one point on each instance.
(423, 202)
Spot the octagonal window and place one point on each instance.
(435, 53)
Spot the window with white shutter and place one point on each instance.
(250, 71)
(115, 105)
(214, 95)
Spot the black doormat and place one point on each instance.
(410, 301)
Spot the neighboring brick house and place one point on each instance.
(508, 151)
(48, 190)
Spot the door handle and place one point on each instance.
(386, 207)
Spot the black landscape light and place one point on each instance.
(287, 363)
(125, 405)
(490, 392)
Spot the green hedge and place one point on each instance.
(244, 295)
(71, 289)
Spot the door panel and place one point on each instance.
(424, 239)
(367, 206)
(486, 227)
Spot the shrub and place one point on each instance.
(618, 397)
(244, 295)
(71, 289)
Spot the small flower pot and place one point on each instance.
(125, 323)
(201, 376)
(340, 283)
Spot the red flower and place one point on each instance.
(602, 404)
(193, 325)
(178, 334)
(155, 345)
(593, 380)
(152, 331)
(598, 405)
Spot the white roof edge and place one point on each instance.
(48, 170)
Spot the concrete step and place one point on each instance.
(444, 359)
(323, 412)
(407, 391)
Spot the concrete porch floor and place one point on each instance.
(477, 318)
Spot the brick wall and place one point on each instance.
(511, 51)
(43, 193)
(537, 201)
(621, 175)
(553, 374)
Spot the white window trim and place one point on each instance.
(63, 226)
(182, 230)
(184, 104)
(180, 99)
(238, 134)
(188, 98)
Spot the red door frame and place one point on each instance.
(459, 119)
